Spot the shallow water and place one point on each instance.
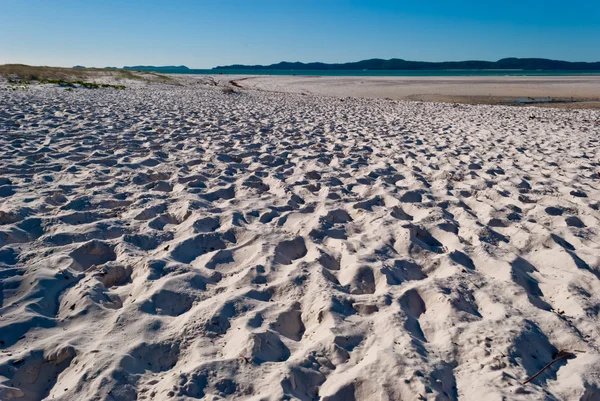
(396, 73)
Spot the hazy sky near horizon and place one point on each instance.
(204, 34)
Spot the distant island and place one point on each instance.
(182, 69)
(399, 64)
(505, 64)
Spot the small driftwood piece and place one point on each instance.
(562, 354)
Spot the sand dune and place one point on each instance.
(185, 243)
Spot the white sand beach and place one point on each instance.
(182, 242)
(564, 91)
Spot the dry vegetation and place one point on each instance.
(32, 73)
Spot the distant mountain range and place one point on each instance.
(399, 64)
(526, 64)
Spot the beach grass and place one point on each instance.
(82, 76)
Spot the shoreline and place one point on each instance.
(392, 73)
(557, 92)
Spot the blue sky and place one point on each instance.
(203, 34)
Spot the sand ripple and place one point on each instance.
(176, 242)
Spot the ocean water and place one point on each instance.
(400, 73)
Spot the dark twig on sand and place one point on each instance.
(562, 354)
(232, 82)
